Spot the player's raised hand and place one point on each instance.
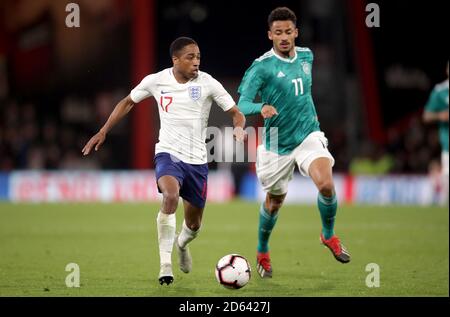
(96, 141)
(268, 111)
(239, 134)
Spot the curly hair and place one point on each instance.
(281, 14)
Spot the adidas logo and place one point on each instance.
(281, 74)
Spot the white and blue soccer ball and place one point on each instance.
(233, 271)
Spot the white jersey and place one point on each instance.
(183, 111)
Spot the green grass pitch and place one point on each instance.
(115, 246)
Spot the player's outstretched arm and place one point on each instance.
(120, 110)
(248, 107)
(429, 116)
(238, 123)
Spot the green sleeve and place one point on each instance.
(249, 88)
(248, 107)
(435, 103)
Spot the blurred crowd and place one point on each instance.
(35, 137)
(38, 138)
(412, 149)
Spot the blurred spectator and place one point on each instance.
(372, 161)
(72, 160)
(35, 158)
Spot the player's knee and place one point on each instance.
(170, 198)
(194, 226)
(326, 188)
(275, 205)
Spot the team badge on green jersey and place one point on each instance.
(306, 68)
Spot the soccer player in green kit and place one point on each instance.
(282, 77)
(436, 110)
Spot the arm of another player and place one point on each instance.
(250, 85)
(238, 123)
(436, 109)
(429, 116)
(249, 107)
(121, 109)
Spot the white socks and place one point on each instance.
(186, 235)
(166, 235)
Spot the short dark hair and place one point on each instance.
(179, 43)
(281, 14)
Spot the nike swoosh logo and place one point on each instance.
(164, 92)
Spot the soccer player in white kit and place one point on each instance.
(184, 95)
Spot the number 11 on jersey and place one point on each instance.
(298, 82)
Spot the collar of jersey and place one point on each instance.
(287, 60)
(173, 76)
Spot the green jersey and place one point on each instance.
(438, 102)
(284, 83)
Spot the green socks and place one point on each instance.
(327, 208)
(266, 224)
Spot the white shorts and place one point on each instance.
(445, 162)
(275, 171)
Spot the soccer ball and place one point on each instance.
(233, 271)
